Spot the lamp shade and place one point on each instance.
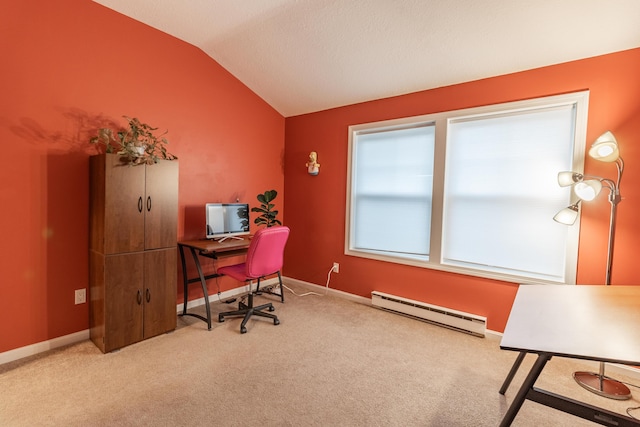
(587, 190)
(605, 148)
(568, 215)
(568, 178)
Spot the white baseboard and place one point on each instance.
(322, 290)
(213, 298)
(223, 296)
(41, 347)
(611, 368)
(33, 349)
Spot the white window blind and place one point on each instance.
(501, 191)
(392, 190)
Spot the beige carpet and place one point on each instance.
(331, 362)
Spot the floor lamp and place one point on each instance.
(586, 188)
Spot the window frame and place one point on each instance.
(441, 121)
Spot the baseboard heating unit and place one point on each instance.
(453, 319)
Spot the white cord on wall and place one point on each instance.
(313, 293)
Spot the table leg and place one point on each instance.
(527, 385)
(512, 372)
(203, 281)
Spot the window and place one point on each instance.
(393, 183)
(470, 191)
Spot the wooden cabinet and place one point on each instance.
(133, 255)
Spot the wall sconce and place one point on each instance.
(587, 188)
(313, 167)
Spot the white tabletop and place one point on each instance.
(587, 322)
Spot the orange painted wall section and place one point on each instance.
(316, 205)
(69, 67)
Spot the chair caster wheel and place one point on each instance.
(243, 330)
(271, 308)
(220, 319)
(276, 322)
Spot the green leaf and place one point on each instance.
(267, 214)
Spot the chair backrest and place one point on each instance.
(266, 251)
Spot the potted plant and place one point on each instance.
(137, 145)
(267, 214)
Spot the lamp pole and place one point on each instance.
(604, 149)
(599, 383)
(614, 199)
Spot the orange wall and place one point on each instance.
(70, 66)
(316, 205)
(67, 68)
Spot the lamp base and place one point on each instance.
(602, 386)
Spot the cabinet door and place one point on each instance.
(161, 205)
(160, 272)
(123, 299)
(124, 206)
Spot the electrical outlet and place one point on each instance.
(81, 296)
(336, 267)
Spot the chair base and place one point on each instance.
(248, 310)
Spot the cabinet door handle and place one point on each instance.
(139, 298)
(148, 203)
(148, 295)
(140, 204)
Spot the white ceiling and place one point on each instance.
(303, 56)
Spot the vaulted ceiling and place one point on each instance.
(303, 56)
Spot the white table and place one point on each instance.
(600, 323)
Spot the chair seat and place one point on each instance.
(237, 271)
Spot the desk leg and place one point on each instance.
(203, 281)
(512, 372)
(527, 385)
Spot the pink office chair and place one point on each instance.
(264, 257)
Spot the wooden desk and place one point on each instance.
(210, 249)
(584, 322)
